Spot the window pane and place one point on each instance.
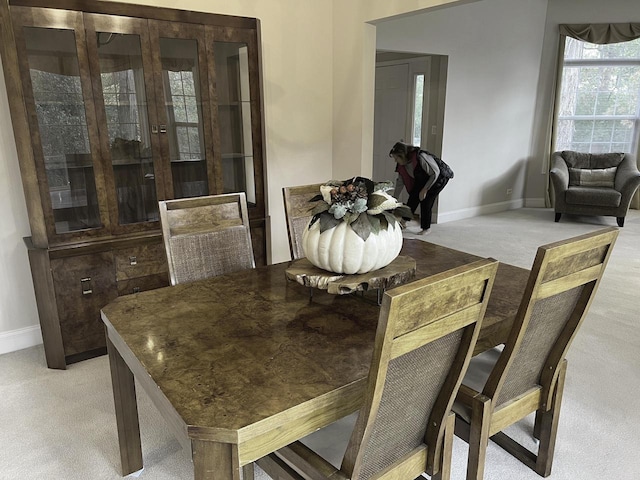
(417, 110)
(599, 102)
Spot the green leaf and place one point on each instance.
(375, 223)
(384, 223)
(376, 200)
(327, 222)
(362, 226)
(319, 208)
(390, 217)
(404, 212)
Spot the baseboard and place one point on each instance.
(534, 203)
(20, 338)
(481, 210)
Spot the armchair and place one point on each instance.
(594, 184)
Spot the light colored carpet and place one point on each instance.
(60, 425)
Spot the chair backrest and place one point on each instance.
(206, 236)
(561, 287)
(426, 334)
(297, 209)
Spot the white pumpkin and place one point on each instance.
(341, 250)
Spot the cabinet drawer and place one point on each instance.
(83, 285)
(140, 284)
(140, 261)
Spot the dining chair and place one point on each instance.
(206, 236)
(297, 209)
(526, 375)
(425, 337)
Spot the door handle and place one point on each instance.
(85, 284)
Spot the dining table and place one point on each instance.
(243, 364)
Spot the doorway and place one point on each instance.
(408, 106)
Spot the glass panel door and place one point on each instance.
(234, 117)
(184, 114)
(128, 127)
(62, 120)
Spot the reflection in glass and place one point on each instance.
(179, 60)
(123, 89)
(59, 103)
(234, 117)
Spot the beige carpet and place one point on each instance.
(59, 425)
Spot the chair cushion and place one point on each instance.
(593, 196)
(591, 160)
(592, 177)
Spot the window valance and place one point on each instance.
(602, 33)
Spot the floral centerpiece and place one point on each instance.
(355, 227)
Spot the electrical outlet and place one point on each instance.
(509, 191)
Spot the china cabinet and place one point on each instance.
(115, 107)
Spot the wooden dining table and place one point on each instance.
(246, 363)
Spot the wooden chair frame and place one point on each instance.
(201, 215)
(557, 268)
(297, 209)
(412, 316)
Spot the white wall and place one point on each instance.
(565, 11)
(494, 51)
(18, 313)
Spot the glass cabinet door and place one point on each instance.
(60, 99)
(122, 85)
(237, 115)
(234, 117)
(181, 90)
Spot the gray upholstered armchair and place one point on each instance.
(594, 184)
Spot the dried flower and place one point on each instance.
(365, 205)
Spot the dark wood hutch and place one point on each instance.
(115, 107)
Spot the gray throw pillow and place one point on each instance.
(592, 177)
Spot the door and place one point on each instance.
(234, 83)
(180, 71)
(402, 111)
(390, 117)
(59, 103)
(122, 78)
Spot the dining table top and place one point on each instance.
(237, 354)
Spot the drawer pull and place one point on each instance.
(136, 289)
(133, 260)
(85, 284)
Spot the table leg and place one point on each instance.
(124, 397)
(215, 461)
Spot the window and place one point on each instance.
(599, 106)
(418, 95)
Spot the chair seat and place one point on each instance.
(593, 196)
(477, 374)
